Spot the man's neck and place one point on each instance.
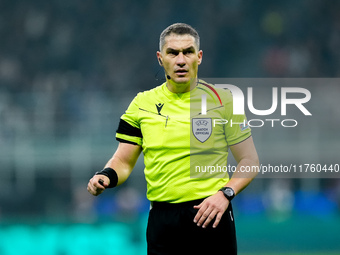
(181, 87)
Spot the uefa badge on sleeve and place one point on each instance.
(244, 126)
(202, 128)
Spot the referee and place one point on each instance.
(189, 214)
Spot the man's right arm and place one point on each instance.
(122, 162)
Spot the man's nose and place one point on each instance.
(180, 60)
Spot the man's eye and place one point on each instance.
(188, 52)
(173, 53)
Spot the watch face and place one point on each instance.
(229, 192)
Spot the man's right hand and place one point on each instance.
(94, 186)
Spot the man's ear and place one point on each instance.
(200, 57)
(159, 58)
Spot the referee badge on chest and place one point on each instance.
(202, 128)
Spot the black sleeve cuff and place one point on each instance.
(126, 129)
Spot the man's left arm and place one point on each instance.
(214, 206)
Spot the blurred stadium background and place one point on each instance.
(68, 70)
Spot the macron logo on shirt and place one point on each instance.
(159, 107)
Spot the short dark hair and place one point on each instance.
(179, 29)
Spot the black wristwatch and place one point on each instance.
(228, 192)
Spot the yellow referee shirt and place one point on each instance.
(179, 143)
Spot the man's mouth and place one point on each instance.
(181, 72)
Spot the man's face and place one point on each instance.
(180, 58)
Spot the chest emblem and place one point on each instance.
(202, 128)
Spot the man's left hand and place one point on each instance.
(210, 207)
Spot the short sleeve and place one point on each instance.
(237, 129)
(129, 126)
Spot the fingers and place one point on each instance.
(97, 184)
(207, 217)
(202, 214)
(198, 206)
(209, 209)
(94, 187)
(218, 219)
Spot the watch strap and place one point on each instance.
(228, 192)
